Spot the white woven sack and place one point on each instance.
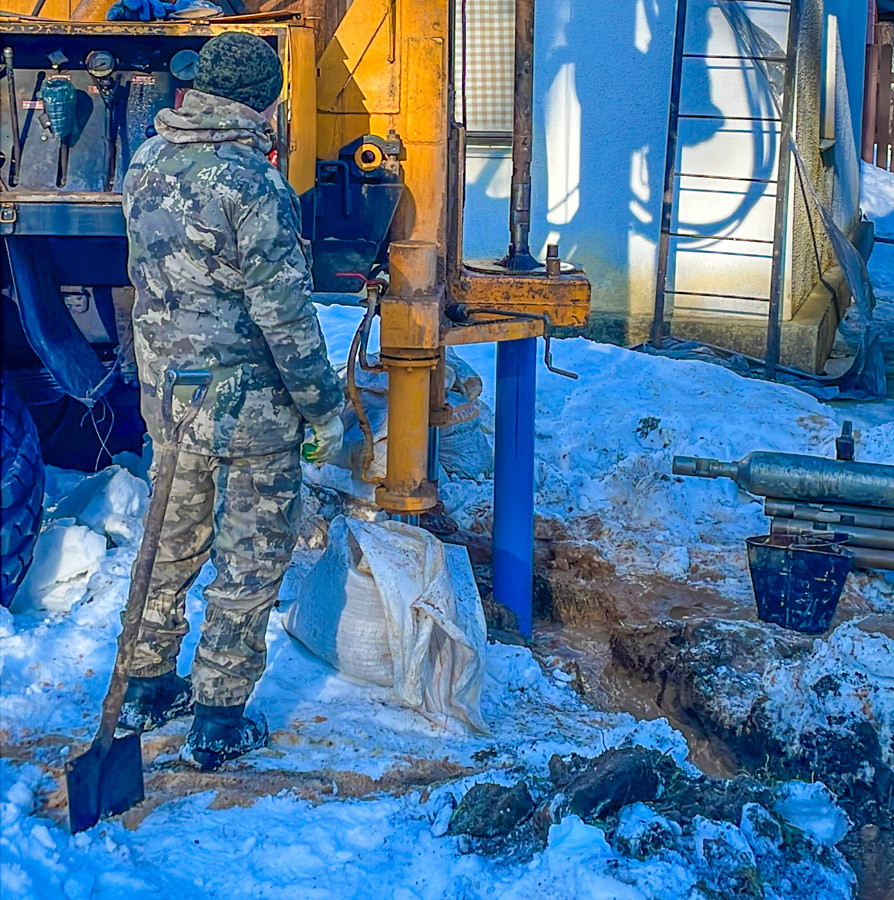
(382, 606)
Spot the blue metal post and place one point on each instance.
(514, 478)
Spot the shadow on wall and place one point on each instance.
(602, 84)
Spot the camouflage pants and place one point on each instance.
(243, 513)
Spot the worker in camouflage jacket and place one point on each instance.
(222, 279)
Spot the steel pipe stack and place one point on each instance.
(816, 495)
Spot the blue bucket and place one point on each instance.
(798, 578)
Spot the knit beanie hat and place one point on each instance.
(240, 67)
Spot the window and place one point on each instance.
(489, 61)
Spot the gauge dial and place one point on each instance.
(183, 65)
(101, 63)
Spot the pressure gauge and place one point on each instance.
(183, 65)
(101, 63)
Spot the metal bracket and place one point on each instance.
(461, 312)
(9, 214)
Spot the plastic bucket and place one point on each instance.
(798, 578)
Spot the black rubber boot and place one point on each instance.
(150, 702)
(219, 733)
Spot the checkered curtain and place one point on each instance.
(489, 44)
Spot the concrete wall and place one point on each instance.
(602, 81)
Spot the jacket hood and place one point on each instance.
(207, 118)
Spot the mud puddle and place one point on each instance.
(586, 653)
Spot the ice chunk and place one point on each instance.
(7, 623)
(573, 838)
(642, 832)
(118, 509)
(20, 795)
(65, 557)
(812, 808)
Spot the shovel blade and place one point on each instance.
(104, 784)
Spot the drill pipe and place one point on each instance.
(870, 558)
(519, 256)
(832, 514)
(794, 476)
(874, 538)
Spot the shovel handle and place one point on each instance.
(166, 466)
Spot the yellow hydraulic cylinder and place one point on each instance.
(410, 339)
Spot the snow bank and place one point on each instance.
(363, 850)
(845, 681)
(877, 198)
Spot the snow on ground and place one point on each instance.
(604, 450)
(845, 681)
(56, 663)
(877, 203)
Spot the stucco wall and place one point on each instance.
(602, 81)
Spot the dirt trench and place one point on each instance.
(657, 648)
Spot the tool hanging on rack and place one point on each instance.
(59, 101)
(671, 233)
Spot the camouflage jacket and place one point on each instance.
(222, 279)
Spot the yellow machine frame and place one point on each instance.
(386, 70)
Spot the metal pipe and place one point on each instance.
(794, 476)
(870, 93)
(15, 162)
(870, 558)
(874, 538)
(670, 162)
(410, 340)
(862, 517)
(519, 256)
(781, 214)
(513, 531)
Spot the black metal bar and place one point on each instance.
(722, 118)
(670, 161)
(722, 296)
(728, 178)
(519, 256)
(735, 58)
(779, 229)
(716, 237)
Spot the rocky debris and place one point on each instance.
(600, 787)
(491, 810)
(787, 704)
(642, 833)
(743, 839)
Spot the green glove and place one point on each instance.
(326, 442)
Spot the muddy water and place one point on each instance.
(586, 653)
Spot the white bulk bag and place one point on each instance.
(382, 605)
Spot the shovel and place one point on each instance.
(107, 779)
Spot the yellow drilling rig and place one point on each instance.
(368, 138)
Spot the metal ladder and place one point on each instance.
(672, 175)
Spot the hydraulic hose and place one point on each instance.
(358, 346)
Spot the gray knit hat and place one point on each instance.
(240, 67)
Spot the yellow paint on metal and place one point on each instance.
(91, 10)
(386, 69)
(53, 9)
(368, 157)
(406, 489)
(566, 300)
(300, 89)
(496, 330)
(413, 268)
(410, 340)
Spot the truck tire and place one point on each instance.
(22, 481)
